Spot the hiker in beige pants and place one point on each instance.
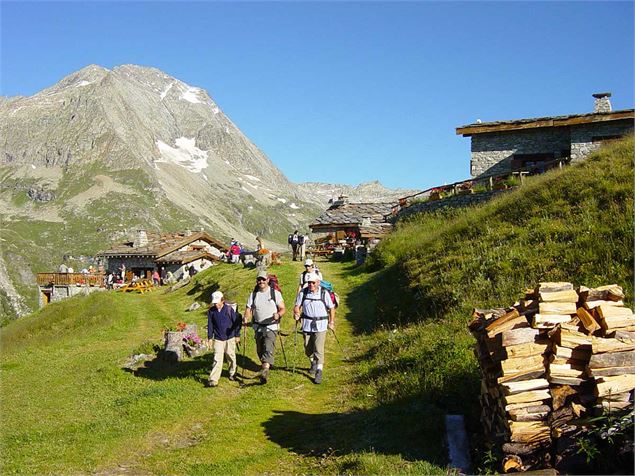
(223, 327)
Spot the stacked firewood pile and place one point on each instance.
(555, 356)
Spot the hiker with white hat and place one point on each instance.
(223, 333)
(309, 267)
(315, 307)
(265, 308)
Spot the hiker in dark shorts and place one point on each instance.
(265, 307)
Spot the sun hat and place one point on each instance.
(308, 262)
(217, 297)
(261, 274)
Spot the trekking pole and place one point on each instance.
(340, 345)
(286, 365)
(243, 373)
(295, 342)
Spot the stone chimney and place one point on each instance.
(366, 221)
(140, 240)
(341, 200)
(602, 102)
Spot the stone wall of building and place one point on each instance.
(114, 264)
(492, 152)
(582, 136)
(456, 201)
(59, 293)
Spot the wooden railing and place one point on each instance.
(69, 279)
(487, 180)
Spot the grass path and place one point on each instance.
(69, 406)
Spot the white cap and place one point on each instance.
(217, 297)
(312, 277)
(308, 262)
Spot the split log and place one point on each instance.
(518, 406)
(568, 295)
(615, 406)
(617, 344)
(514, 366)
(557, 308)
(512, 388)
(561, 380)
(532, 396)
(512, 463)
(613, 359)
(529, 409)
(568, 353)
(520, 449)
(552, 287)
(527, 349)
(559, 395)
(526, 374)
(519, 336)
(587, 320)
(566, 337)
(530, 416)
(511, 320)
(547, 321)
(615, 385)
(601, 302)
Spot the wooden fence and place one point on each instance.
(69, 279)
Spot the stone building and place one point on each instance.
(365, 221)
(164, 252)
(540, 143)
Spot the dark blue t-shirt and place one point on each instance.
(224, 324)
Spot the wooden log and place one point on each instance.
(619, 343)
(611, 292)
(618, 397)
(587, 320)
(530, 416)
(514, 366)
(548, 321)
(606, 312)
(560, 380)
(613, 359)
(566, 370)
(610, 371)
(582, 355)
(616, 406)
(520, 449)
(531, 396)
(552, 287)
(557, 308)
(526, 374)
(508, 407)
(519, 336)
(527, 349)
(529, 409)
(568, 295)
(511, 320)
(566, 337)
(615, 385)
(512, 388)
(601, 302)
(555, 360)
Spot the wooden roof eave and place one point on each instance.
(472, 129)
(189, 239)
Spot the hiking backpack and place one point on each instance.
(301, 239)
(335, 299)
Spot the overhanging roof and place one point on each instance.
(554, 121)
(352, 214)
(160, 244)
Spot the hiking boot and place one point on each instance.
(264, 375)
(313, 367)
(211, 383)
(232, 378)
(318, 377)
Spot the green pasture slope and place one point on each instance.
(68, 406)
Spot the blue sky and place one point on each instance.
(345, 92)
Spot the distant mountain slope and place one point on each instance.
(105, 152)
(366, 192)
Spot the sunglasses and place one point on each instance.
(311, 282)
(261, 279)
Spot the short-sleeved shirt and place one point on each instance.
(314, 307)
(303, 275)
(265, 307)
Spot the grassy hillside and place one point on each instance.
(574, 224)
(69, 406)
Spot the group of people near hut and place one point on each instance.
(313, 310)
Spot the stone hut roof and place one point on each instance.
(183, 257)
(161, 244)
(552, 121)
(352, 214)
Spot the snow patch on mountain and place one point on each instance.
(191, 95)
(185, 154)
